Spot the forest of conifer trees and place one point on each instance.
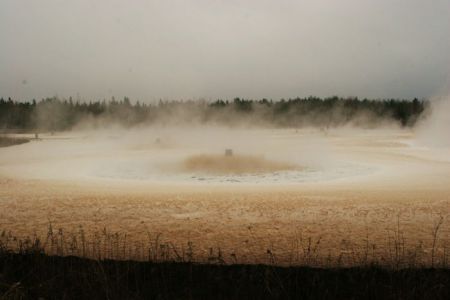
(63, 114)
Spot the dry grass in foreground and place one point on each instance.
(58, 267)
(397, 253)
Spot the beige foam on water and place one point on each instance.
(234, 164)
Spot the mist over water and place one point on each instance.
(100, 149)
(192, 154)
(196, 155)
(214, 124)
(434, 131)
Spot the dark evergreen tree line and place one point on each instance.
(64, 114)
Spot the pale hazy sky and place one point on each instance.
(175, 49)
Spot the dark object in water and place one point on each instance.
(228, 152)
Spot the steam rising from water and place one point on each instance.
(180, 155)
(435, 130)
(196, 153)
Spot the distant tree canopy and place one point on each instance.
(63, 114)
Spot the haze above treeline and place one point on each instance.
(54, 114)
(212, 49)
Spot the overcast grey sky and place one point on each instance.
(174, 49)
